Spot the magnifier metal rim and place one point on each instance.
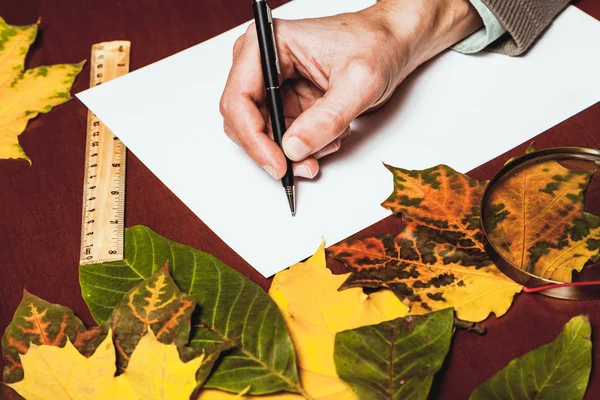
(518, 275)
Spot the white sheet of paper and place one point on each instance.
(460, 110)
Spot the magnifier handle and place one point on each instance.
(558, 285)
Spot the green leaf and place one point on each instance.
(211, 355)
(42, 323)
(159, 305)
(395, 359)
(230, 307)
(558, 370)
(156, 303)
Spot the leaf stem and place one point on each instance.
(469, 326)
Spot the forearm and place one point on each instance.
(435, 25)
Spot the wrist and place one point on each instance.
(429, 26)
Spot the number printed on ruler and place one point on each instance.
(102, 226)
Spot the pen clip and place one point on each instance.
(270, 17)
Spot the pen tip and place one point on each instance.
(291, 196)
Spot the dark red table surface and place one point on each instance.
(40, 205)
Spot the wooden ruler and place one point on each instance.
(102, 222)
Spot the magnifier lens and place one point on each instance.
(541, 215)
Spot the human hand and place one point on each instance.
(333, 70)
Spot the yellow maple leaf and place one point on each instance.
(62, 372)
(314, 311)
(25, 94)
(155, 371)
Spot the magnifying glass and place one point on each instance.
(535, 225)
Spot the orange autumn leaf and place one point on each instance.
(438, 260)
(537, 221)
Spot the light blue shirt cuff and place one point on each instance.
(479, 40)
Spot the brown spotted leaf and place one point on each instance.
(443, 202)
(41, 323)
(156, 303)
(538, 221)
(412, 265)
(438, 260)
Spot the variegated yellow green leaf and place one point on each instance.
(25, 94)
(41, 323)
(230, 307)
(156, 304)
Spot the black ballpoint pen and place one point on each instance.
(270, 67)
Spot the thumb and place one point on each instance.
(351, 92)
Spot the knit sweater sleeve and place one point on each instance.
(524, 20)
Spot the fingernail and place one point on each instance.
(296, 149)
(303, 171)
(270, 170)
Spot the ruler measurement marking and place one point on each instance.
(102, 226)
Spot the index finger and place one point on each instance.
(243, 93)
